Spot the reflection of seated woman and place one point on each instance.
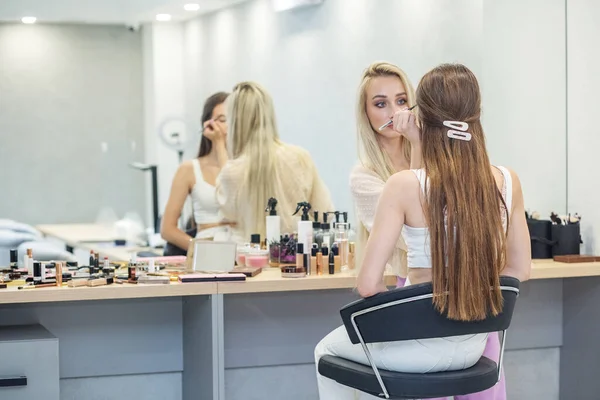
(262, 166)
(197, 178)
(463, 221)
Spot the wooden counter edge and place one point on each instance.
(111, 292)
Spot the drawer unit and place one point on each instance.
(28, 363)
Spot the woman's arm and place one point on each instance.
(385, 233)
(518, 246)
(182, 182)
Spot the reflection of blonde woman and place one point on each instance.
(384, 89)
(261, 166)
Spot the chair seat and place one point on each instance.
(400, 385)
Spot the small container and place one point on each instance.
(241, 253)
(292, 271)
(257, 258)
(287, 250)
(274, 254)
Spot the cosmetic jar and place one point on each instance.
(241, 253)
(257, 258)
(292, 271)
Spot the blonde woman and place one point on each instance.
(262, 166)
(384, 90)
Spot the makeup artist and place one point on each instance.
(197, 178)
(419, 204)
(262, 166)
(384, 89)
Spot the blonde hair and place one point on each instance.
(370, 153)
(253, 134)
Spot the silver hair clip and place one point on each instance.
(461, 126)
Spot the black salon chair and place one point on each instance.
(405, 314)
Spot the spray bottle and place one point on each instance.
(273, 223)
(305, 230)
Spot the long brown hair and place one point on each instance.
(463, 206)
(209, 105)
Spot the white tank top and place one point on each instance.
(417, 239)
(204, 199)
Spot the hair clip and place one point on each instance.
(461, 126)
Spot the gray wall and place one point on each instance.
(64, 91)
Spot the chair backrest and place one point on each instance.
(408, 313)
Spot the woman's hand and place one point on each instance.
(405, 123)
(215, 130)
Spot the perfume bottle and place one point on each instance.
(341, 238)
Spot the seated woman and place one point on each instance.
(262, 166)
(464, 224)
(197, 178)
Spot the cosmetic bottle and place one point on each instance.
(305, 227)
(151, 266)
(106, 263)
(37, 271)
(316, 260)
(273, 223)
(28, 262)
(92, 260)
(341, 238)
(331, 261)
(335, 250)
(324, 260)
(255, 240)
(351, 255)
(14, 259)
(351, 231)
(325, 235)
(58, 268)
(317, 232)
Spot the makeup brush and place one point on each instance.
(391, 121)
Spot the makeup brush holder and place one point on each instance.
(566, 238)
(541, 238)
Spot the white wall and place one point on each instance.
(524, 96)
(311, 61)
(583, 33)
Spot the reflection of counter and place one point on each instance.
(81, 238)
